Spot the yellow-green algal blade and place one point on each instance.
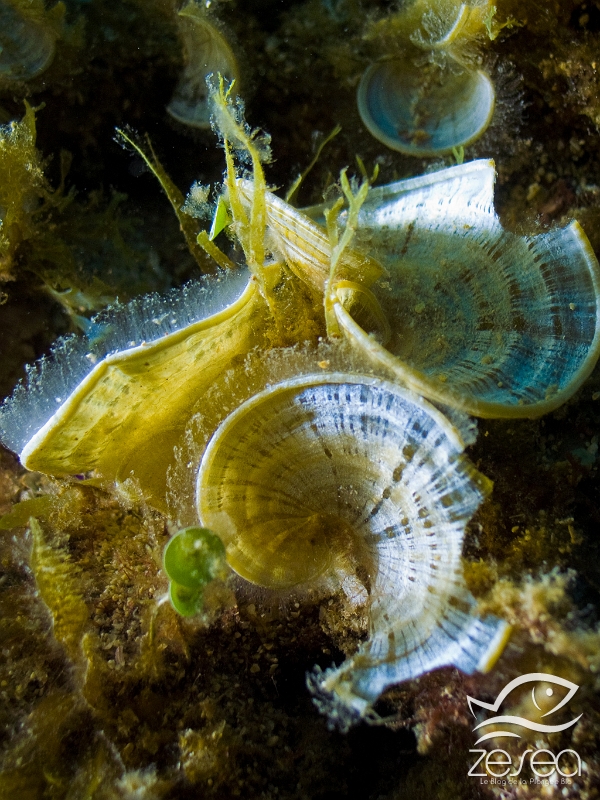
(481, 319)
(116, 406)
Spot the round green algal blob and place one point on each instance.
(194, 557)
(186, 601)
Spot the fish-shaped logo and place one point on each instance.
(531, 677)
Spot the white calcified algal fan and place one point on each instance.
(344, 480)
(27, 40)
(483, 319)
(427, 95)
(425, 111)
(206, 52)
(468, 314)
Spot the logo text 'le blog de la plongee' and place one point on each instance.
(532, 765)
